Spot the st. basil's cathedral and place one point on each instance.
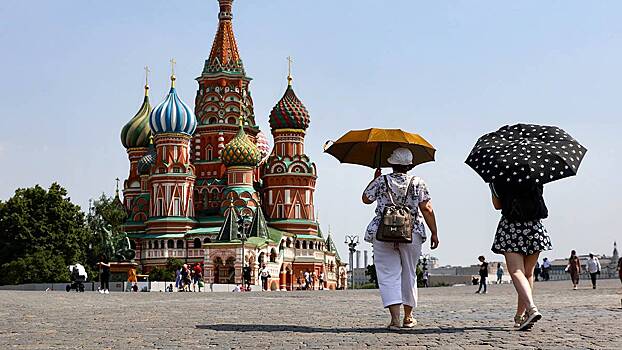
(206, 187)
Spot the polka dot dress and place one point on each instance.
(526, 238)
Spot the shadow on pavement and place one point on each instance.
(307, 329)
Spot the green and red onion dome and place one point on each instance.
(241, 151)
(289, 112)
(136, 133)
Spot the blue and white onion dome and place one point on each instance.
(172, 115)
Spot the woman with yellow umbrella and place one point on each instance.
(397, 232)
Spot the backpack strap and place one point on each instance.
(386, 182)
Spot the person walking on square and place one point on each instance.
(520, 238)
(264, 274)
(499, 273)
(426, 279)
(546, 268)
(593, 268)
(104, 276)
(197, 277)
(396, 263)
(536, 272)
(574, 269)
(620, 269)
(483, 275)
(322, 280)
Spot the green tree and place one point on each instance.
(41, 232)
(173, 264)
(371, 272)
(160, 274)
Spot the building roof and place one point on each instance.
(172, 115)
(229, 230)
(289, 112)
(137, 133)
(241, 151)
(224, 56)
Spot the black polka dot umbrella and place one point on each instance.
(525, 153)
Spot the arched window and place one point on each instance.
(170, 244)
(197, 243)
(311, 245)
(207, 240)
(231, 120)
(304, 244)
(260, 258)
(162, 244)
(150, 245)
(180, 244)
(132, 244)
(297, 244)
(273, 255)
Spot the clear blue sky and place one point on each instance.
(449, 70)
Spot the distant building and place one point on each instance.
(358, 277)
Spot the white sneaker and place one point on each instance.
(101, 291)
(106, 291)
(533, 316)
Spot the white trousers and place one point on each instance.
(396, 270)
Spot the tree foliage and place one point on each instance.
(160, 274)
(371, 272)
(41, 233)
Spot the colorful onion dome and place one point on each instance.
(172, 115)
(289, 112)
(136, 133)
(263, 145)
(145, 163)
(241, 151)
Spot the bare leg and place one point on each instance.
(408, 311)
(395, 314)
(520, 277)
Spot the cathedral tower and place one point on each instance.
(135, 137)
(289, 175)
(172, 176)
(223, 101)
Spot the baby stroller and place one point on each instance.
(78, 275)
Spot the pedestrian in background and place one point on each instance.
(426, 279)
(499, 273)
(546, 268)
(483, 275)
(264, 274)
(574, 269)
(536, 272)
(104, 275)
(396, 263)
(620, 269)
(593, 268)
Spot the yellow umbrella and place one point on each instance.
(372, 147)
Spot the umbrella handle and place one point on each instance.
(326, 145)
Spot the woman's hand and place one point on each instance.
(378, 173)
(434, 241)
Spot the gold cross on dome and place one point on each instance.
(147, 71)
(289, 69)
(173, 63)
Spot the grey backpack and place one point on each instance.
(396, 222)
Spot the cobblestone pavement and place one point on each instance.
(449, 318)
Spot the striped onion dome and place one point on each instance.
(136, 133)
(289, 112)
(145, 163)
(241, 151)
(172, 115)
(263, 145)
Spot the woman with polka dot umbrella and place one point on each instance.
(526, 153)
(517, 161)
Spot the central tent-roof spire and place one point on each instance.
(224, 57)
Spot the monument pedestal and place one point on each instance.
(118, 270)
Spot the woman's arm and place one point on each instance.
(364, 198)
(496, 202)
(430, 219)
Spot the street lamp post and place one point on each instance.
(243, 225)
(352, 241)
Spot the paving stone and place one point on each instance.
(449, 318)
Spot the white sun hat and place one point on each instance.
(401, 156)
